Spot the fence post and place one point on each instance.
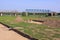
(1, 14)
(26, 13)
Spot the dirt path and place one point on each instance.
(34, 22)
(5, 34)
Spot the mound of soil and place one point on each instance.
(52, 23)
(18, 19)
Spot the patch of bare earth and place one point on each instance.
(30, 21)
(51, 22)
(5, 34)
(56, 39)
(17, 20)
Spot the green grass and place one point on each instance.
(56, 35)
(41, 32)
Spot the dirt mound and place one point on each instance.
(18, 19)
(52, 23)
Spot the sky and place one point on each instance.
(21, 5)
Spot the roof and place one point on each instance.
(38, 11)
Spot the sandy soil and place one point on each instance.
(5, 34)
(34, 22)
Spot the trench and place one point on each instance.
(38, 21)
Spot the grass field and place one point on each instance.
(41, 32)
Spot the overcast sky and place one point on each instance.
(21, 5)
